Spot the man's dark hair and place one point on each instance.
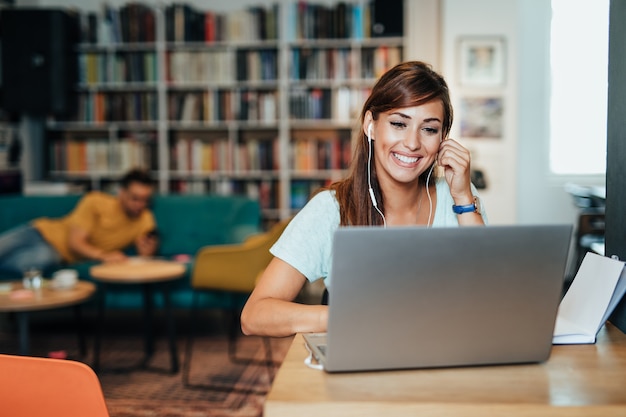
(136, 175)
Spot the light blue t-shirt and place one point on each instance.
(306, 243)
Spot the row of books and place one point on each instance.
(375, 61)
(243, 65)
(202, 155)
(323, 64)
(340, 63)
(341, 104)
(198, 154)
(310, 103)
(224, 66)
(321, 21)
(257, 65)
(119, 106)
(265, 191)
(132, 22)
(223, 105)
(190, 154)
(100, 155)
(200, 66)
(136, 22)
(186, 23)
(257, 155)
(97, 68)
(314, 154)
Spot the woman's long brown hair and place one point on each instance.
(406, 85)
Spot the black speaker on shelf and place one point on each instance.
(387, 18)
(39, 60)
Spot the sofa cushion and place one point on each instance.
(17, 209)
(186, 222)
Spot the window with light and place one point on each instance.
(579, 66)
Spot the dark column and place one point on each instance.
(616, 146)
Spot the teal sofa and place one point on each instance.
(185, 224)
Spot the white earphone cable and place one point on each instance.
(430, 200)
(369, 181)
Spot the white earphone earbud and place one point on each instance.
(369, 131)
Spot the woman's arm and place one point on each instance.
(271, 311)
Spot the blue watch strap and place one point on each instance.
(468, 208)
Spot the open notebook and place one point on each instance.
(597, 288)
(412, 297)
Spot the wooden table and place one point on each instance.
(23, 301)
(577, 380)
(148, 273)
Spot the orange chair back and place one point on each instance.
(31, 387)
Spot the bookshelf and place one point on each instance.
(259, 101)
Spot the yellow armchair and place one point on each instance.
(230, 269)
(235, 268)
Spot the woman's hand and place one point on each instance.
(455, 160)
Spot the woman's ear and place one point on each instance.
(368, 125)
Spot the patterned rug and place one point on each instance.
(218, 386)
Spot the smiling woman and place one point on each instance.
(403, 133)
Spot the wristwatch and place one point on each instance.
(468, 208)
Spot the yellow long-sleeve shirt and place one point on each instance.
(102, 217)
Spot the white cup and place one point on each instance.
(65, 278)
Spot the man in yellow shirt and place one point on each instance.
(99, 228)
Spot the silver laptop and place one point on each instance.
(412, 297)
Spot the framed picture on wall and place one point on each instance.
(481, 117)
(481, 61)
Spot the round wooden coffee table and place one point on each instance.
(150, 274)
(23, 301)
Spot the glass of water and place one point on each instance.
(32, 279)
